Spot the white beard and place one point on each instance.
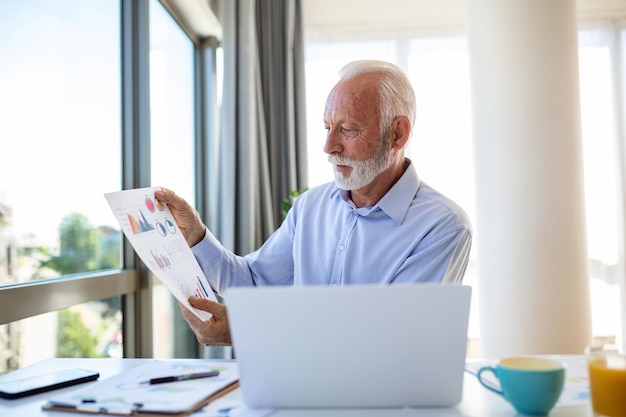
(363, 172)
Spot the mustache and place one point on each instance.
(341, 160)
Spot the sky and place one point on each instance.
(60, 111)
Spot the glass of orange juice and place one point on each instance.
(607, 382)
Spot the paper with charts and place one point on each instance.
(130, 393)
(152, 231)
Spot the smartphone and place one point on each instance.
(45, 382)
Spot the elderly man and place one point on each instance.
(378, 223)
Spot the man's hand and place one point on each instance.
(213, 332)
(186, 216)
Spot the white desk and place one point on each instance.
(477, 401)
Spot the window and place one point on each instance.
(75, 124)
(59, 107)
(441, 95)
(438, 67)
(172, 149)
(600, 132)
(439, 72)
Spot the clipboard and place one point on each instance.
(129, 393)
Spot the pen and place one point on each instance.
(182, 377)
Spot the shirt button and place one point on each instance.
(341, 247)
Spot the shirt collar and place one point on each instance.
(398, 199)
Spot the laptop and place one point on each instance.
(352, 346)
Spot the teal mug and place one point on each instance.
(531, 385)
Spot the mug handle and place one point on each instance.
(493, 371)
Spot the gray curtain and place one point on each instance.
(262, 138)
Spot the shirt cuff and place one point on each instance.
(208, 253)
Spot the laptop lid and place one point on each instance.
(352, 346)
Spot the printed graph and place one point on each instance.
(161, 261)
(201, 291)
(177, 247)
(140, 225)
(166, 227)
(152, 204)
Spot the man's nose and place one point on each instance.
(333, 142)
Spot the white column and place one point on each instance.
(531, 243)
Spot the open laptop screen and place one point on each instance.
(352, 346)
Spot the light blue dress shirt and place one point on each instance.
(413, 234)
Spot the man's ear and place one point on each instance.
(400, 132)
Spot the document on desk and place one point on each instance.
(151, 229)
(223, 407)
(131, 392)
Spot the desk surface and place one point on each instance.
(477, 401)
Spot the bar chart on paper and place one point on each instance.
(151, 229)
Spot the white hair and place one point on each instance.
(396, 94)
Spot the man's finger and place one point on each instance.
(189, 316)
(172, 199)
(208, 305)
(168, 196)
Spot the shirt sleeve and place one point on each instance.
(272, 264)
(442, 261)
(221, 267)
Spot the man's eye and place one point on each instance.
(349, 133)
